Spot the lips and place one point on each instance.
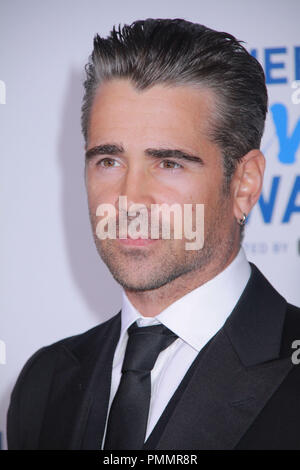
(137, 241)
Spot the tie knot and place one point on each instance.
(144, 345)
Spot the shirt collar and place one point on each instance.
(198, 315)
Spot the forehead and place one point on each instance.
(119, 110)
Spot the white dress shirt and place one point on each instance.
(195, 318)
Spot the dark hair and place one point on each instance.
(179, 52)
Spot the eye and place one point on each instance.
(108, 163)
(169, 164)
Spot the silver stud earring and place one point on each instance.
(242, 221)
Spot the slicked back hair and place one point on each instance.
(178, 52)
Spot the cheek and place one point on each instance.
(185, 188)
(98, 191)
(198, 192)
(218, 211)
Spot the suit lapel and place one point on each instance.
(235, 377)
(221, 400)
(77, 368)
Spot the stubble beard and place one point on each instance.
(144, 269)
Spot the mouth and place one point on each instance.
(137, 241)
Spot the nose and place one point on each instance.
(137, 186)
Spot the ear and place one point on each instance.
(247, 182)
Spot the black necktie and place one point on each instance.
(127, 422)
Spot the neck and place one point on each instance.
(152, 302)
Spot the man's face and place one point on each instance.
(134, 125)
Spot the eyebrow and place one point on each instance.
(114, 149)
(173, 153)
(106, 149)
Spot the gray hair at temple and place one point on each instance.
(177, 52)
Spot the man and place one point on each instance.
(200, 355)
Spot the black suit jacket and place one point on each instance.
(241, 392)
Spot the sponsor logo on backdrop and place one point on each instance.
(281, 189)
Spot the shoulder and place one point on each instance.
(45, 357)
(268, 296)
(30, 392)
(39, 368)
